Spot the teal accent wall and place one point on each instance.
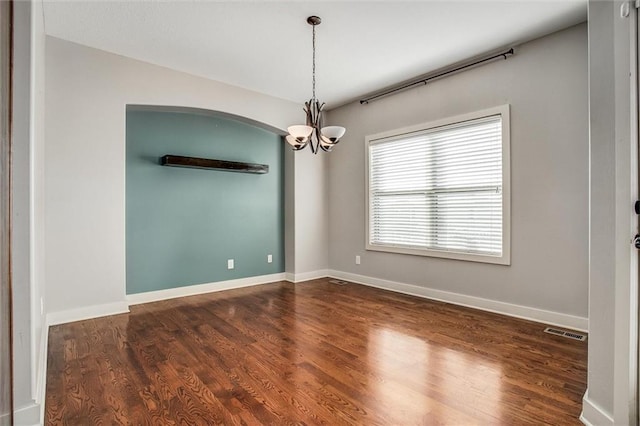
(183, 224)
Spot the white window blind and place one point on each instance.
(439, 189)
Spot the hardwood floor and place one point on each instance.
(311, 353)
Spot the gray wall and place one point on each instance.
(87, 93)
(20, 208)
(545, 83)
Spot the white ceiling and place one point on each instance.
(362, 46)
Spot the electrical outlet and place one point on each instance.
(230, 264)
(269, 258)
(41, 306)
(357, 260)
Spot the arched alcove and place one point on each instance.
(183, 225)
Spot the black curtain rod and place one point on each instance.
(504, 55)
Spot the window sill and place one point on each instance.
(505, 259)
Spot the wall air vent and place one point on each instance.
(569, 334)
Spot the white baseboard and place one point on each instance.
(307, 276)
(509, 309)
(94, 311)
(592, 414)
(41, 368)
(192, 290)
(27, 416)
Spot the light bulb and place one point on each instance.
(325, 144)
(332, 134)
(297, 145)
(300, 132)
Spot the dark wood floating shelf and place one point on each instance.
(207, 163)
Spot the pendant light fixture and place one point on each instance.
(312, 133)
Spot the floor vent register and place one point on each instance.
(569, 334)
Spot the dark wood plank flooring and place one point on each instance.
(311, 353)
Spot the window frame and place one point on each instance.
(505, 258)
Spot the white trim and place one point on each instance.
(88, 312)
(505, 257)
(35, 305)
(29, 415)
(592, 414)
(628, 370)
(41, 380)
(307, 276)
(503, 308)
(192, 290)
(41, 368)
(501, 109)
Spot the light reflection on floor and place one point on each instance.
(403, 366)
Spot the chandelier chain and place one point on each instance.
(314, 62)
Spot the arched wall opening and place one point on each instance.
(184, 225)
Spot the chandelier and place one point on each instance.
(312, 133)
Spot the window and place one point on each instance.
(442, 189)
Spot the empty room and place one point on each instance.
(324, 212)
